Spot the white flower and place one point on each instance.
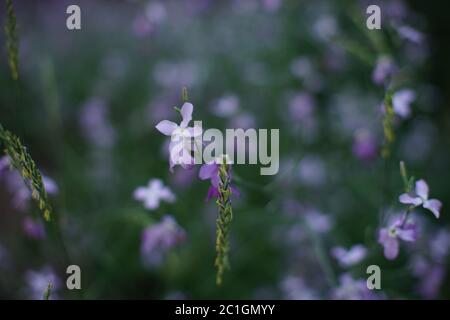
(152, 195)
(420, 198)
(181, 143)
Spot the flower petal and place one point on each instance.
(391, 248)
(140, 193)
(422, 189)
(407, 199)
(207, 171)
(407, 234)
(186, 113)
(166, 127)
(434, 206)
(195, 131)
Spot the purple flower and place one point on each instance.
(351, 289)
(226, 106)
(152, 194)
(401, 101)
(33, 229)
(181, 144)
(383, 69)
(294, 288)
(398, 230)
(350, 257)
(431, 282)
(440, 246)
(420, 198)
(95, 124)
(301, 106)
(365, 146)
(210, 171)
(410, 34)
(158, 239)
(317, 221)
(37, 282)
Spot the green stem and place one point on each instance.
(225, 215)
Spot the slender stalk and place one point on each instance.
(225, 215)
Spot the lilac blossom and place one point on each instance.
(33, 229)
(390, 237)
(301, 106)
(294, 288)
(410, 34)
(365, 146)
(158, 239)
(440, 246)
(420, 198)
(37, 283)
(153, 194)
(317, 221)
(180, 146)
(312, 171)
(351, 289)
(95, 125)
(226, 106)
(210, 171)
(430, 276)
(401, 101)
(384, 68)
(349, 257)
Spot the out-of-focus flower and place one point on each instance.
(431, 276)
(183, 178)
(37, 282)
(350, 257)
(152, 194)
(243, 120)
(399, 230)
(226, 106)
(177, 74)
(33, 229)
(294, 288)
(317, 221)
(145, 23)
(304, 69)
(301, 106)
(158, 239)
(440, 246)
(365, 146)
(401, 101)
(272, 5)
(95, 125)
(420, 198)
(410, 34)
(351, 289)
(182, 138)
(384, 68)
(325, 27)
(311, 171)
